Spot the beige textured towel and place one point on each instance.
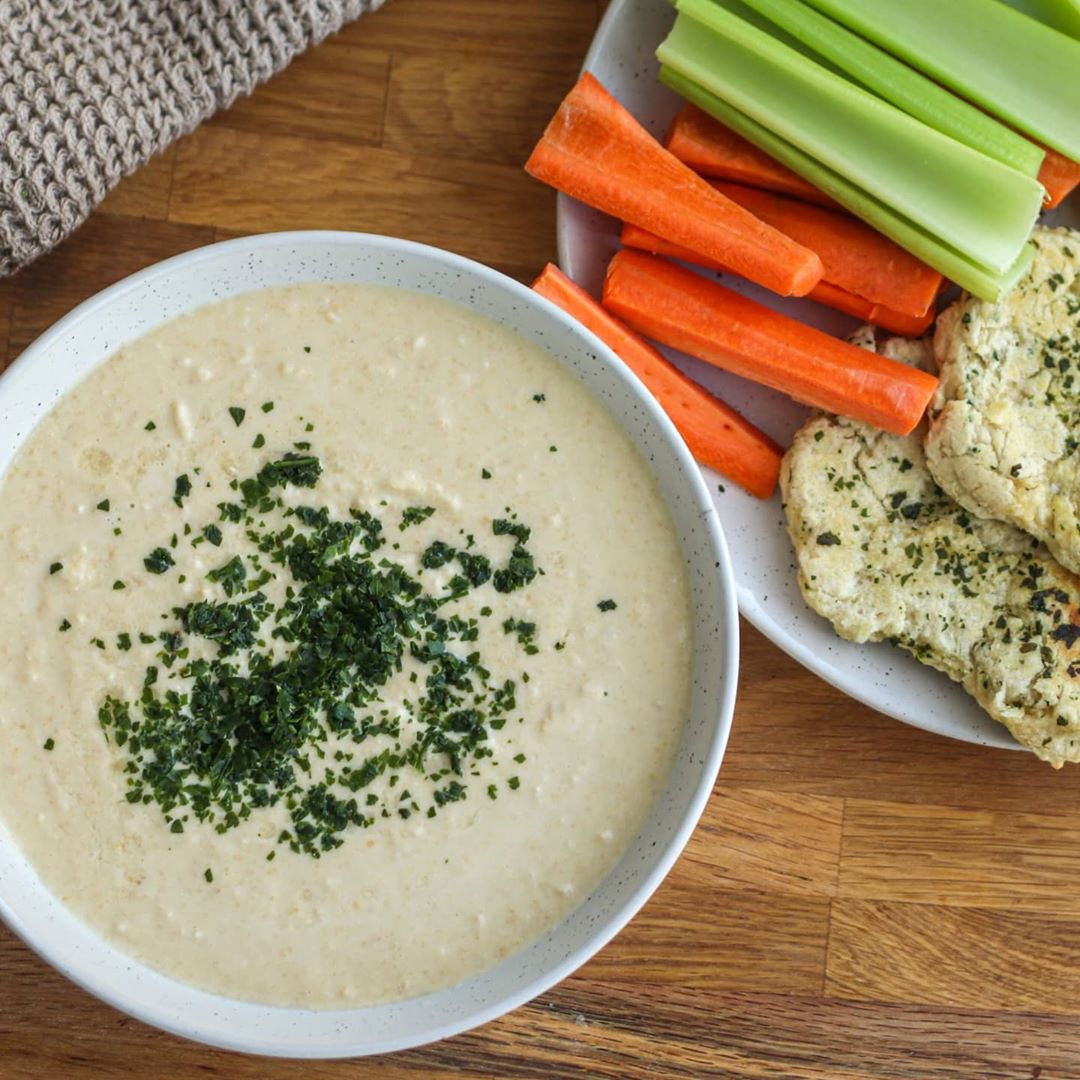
(90, 89)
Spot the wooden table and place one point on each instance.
(861, 899)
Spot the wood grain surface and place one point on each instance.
(861, 899)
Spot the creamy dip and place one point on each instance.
(439, 424)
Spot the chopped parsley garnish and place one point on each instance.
(413, 515)
(231, 576)
(65, 626)
(252, 701)
(607, 605)
(828, 539)
(118, 585)
(525, 633)
(181, 489)
(237, 414)
(267, 406)
(485, 474)
(56, 567)
(50, 744)
(260, 441)
(436, 555)
(538, 398)
(158, 561)
(103, 505)
(209, 875)
(300, 470)
(150, 426)
(521, 569)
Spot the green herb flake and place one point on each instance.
(828, 539)
(209, 875)
(49, 744)
(485, 474)
(150, 426)
(181, 489)
(238, 414)
(267, 406)
(539, 398)
(260, 441)
(56, 567)
(513, 783)
(118, 585)
(607, 605)
(103, 505)
(158, 561)
(413, 515)
(65, 626)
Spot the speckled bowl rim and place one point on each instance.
(101, 969)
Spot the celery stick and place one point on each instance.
(894, 81)
(976, 279)
(973, 203)
(1013, 66)
(1063, 15)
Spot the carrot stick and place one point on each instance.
(595, 151)
(686, 311)
(715, 433)
(1059, 175)
(713, 149)
(833, 296)
(855, 256)
(898, 323)
(824, 292)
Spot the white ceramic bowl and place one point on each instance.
(132, 307)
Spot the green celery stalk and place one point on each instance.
(1063, 15)
(899, 84)
(976, 279)
(1013, 66)
(973, 203)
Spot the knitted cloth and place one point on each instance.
(90, 89)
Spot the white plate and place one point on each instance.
(880, 676)
(63, 355)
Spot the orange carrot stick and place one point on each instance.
(1059, 175)
(712, 149)
(686, 311)
(595, 151)
(855, 256)
(897, 322)
(715, 433)
(824, 292)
